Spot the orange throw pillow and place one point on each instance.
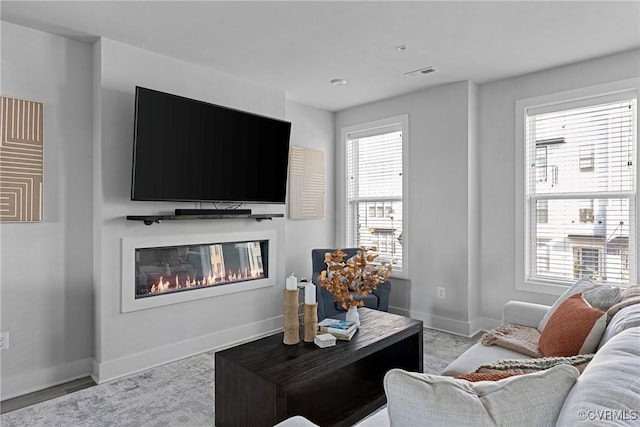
(574, 328)
(486, 376)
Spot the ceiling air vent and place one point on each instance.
(421, 71)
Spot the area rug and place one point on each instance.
(441, 348)
(176, 394)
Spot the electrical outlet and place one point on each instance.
(4, 341)
(441, 293)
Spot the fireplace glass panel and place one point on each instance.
(170, 269)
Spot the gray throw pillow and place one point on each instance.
(603, 297)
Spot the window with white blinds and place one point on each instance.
(580, 190)
(374, 191)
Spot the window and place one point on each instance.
(541, 164)
(542, 211)
(375, 182)
(586, 263)
(586, 211)
(587, 158)
(584, 224)
(543, 256)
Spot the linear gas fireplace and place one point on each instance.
(181, 268)
(167, 270)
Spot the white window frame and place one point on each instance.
(578, 97)
(342, 202)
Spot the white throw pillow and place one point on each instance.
(532, 399)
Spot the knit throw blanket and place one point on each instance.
(524, 366)
(522, 339)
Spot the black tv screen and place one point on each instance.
(189, 150)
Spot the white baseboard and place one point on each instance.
(113, 369)
(23, 383)
(453, 326)
(17, 385)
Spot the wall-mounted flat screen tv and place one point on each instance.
(189, 150)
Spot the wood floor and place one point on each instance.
(46, 394)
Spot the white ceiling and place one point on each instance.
(298, 46)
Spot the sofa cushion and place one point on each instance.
(414, 398)
(478, 355)
(628, 317)
(574, 328)
(296, 421)
(379, 418)
(608, 391)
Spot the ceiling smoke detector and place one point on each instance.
(421, 71)
(338, 82)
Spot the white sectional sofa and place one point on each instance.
(607, 392)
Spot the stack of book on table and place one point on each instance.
(341, 329)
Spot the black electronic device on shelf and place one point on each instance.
(190, 150)
(213, 212)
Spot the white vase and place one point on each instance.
(352, 314)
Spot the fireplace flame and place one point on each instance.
(163, 285)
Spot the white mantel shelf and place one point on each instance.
(156, 219)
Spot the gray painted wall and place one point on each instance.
(63, 313)
(439, 199)
(127, 342)
(497, 155)
(311, 128)
(46, 279)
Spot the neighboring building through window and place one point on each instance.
(586, 263)
(374, 173)
(579, 224)
(587, 158)
(542, 211)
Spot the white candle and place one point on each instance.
(310, 294)
(291, 283)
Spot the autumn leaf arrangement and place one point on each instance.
(355, 276)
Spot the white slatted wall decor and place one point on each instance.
(21, 160)
(306, 183)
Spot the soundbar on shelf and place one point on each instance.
(213, 212)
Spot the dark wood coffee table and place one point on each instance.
(263, 382)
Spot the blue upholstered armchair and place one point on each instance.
(327, 307)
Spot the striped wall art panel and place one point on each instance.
(306, 183)
(21, 129)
